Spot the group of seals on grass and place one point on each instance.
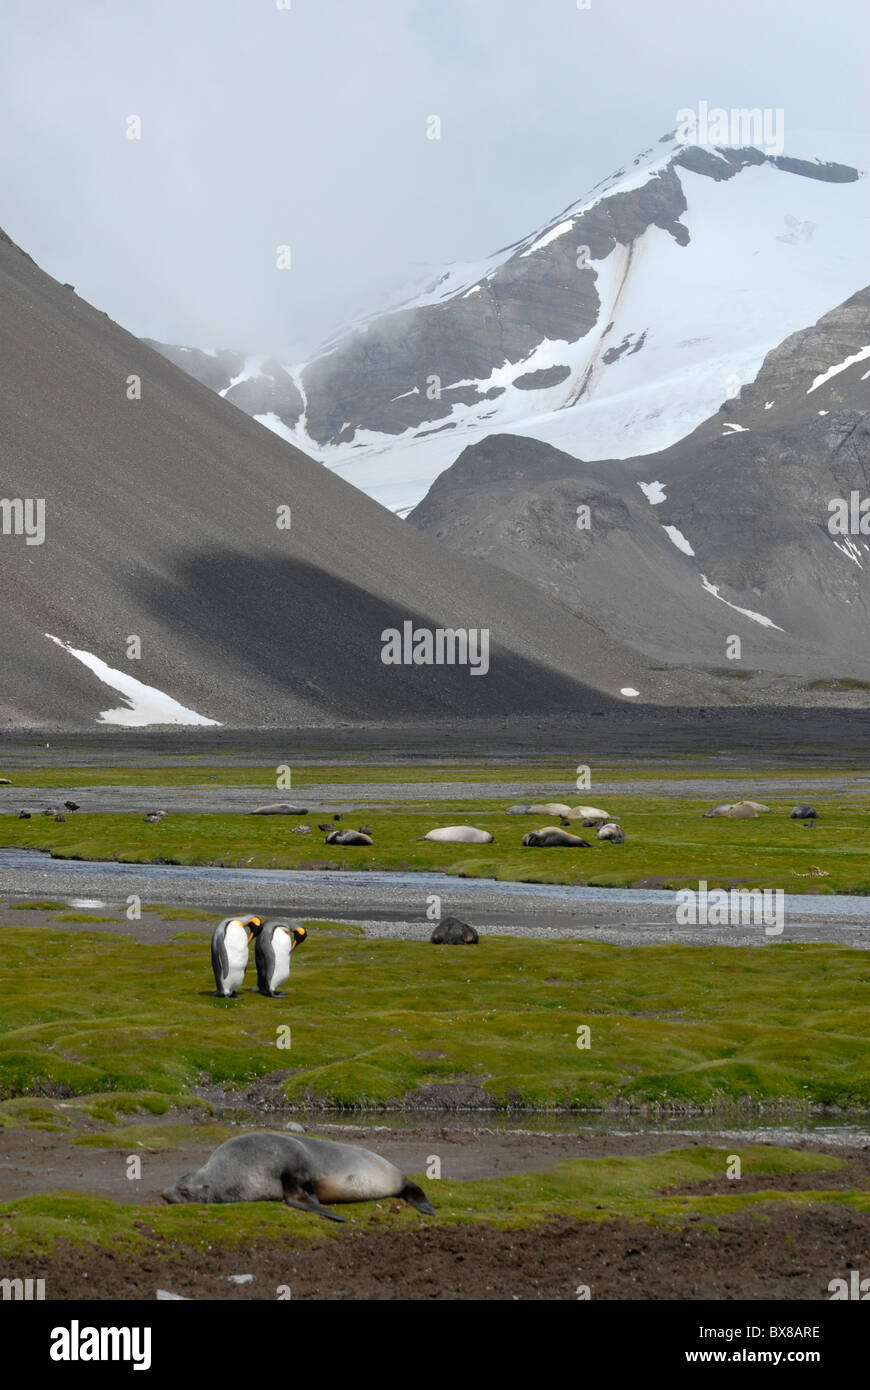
(747, 810)
(301, 1172)
(589, 815)
(275, 941)
(738, 810)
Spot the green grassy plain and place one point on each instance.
(372, 1021)
(668, 844)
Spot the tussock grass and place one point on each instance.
(681, 1028)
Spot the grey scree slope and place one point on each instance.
(753, 505)
(160, 521)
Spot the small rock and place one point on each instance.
(295, 1126)
(240, 1278)
(452, 932)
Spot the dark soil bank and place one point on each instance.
(776, 1254)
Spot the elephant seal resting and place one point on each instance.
(303, 1172)
(452, 932)
(458, 835)
(348, 837)
(612, 832)
(552, 835)
(737, 810)
(589, 815)
(803, 812)
(280, 808)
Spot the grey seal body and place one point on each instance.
(276, 941)
(348, 837)
(302, 1172)
(280, 808)
(229, 952)
(803, 812)
(452, 932)
(552, 835)
(589, 815)
(612, 832)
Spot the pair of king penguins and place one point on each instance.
(276, 940)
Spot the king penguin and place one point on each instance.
(229, 952)
(276, 942)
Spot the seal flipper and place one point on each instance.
(309, 1202)
(302, 1196)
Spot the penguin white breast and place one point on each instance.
(236, 945)
(281, 944)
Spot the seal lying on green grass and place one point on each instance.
(552, 835)
(268, 1167)
(458, 835)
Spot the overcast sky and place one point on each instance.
(307, 127)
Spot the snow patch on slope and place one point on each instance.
(860, 356)
(253, 368)
(747, 612)
(678, 539)
(145, 703)
(653, 492)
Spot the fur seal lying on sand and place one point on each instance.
(612, 832)
(303, 1172)
(348, 837)
(552, 835)
(452, 932)
(457, 835)
(280, 808)
(803, 812)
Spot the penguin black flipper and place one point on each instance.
(219, 962)
(264, 958)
